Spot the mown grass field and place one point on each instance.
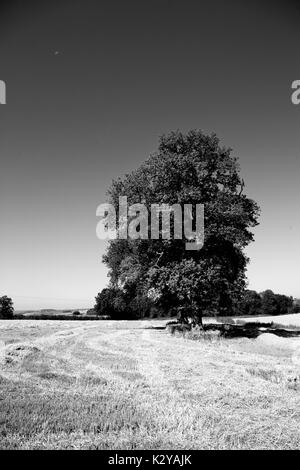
(130, 385)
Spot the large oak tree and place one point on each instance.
(193, 169)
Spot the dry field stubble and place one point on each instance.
(128, 385)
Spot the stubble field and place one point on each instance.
(130, 385)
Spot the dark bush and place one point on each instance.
(6, 307)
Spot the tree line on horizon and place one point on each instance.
(111, 303)
(115, 303)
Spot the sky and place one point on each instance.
(91, 86)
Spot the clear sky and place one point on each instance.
(91, 85)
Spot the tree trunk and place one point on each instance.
(199, 322)
(198, 318)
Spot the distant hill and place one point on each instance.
(50, 311)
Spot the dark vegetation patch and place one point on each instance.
(59, 378)
(131, 376)
(228, 330)
(90, 379)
